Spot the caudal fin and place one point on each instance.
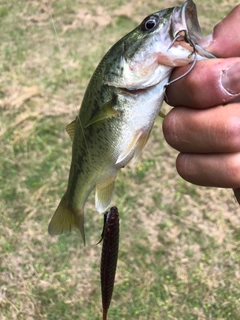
(65, 219)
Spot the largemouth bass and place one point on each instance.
(122, 100)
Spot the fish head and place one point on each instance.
(162, 41)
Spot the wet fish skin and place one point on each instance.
(122, 100)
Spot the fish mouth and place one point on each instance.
(185, 26)
(185, 21)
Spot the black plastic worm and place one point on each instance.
(110, 236)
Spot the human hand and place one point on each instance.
(205, 126)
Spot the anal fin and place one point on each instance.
(104, 193)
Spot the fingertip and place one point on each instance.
(171, 126)
(225, 32)
(211, 170)
(183, 167)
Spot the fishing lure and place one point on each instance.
(110, 237)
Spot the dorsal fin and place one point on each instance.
(70, 128)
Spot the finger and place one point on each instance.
(224, 42)
(210, 83)
(210, 169)
(213, 130)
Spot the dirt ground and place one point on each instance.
(179, 246)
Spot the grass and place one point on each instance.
(179, 246)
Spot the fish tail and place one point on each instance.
(65, 219)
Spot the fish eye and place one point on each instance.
(150, 23)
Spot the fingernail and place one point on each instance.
(230, 79)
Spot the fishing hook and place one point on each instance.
(192, 44)
(196, 48)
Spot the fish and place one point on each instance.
(122, 100)
(110, 237)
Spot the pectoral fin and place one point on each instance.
(105, 112)
(104, 193)
(64, 220)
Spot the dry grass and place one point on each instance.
(179, 247)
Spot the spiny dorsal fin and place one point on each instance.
(105, 112)
(70, 128)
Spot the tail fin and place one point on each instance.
(65, 219)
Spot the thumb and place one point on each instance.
(224, 42)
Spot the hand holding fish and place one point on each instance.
(205, 126)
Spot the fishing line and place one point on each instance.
(65, 70)
(58, 41)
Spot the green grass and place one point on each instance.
(179, 244)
